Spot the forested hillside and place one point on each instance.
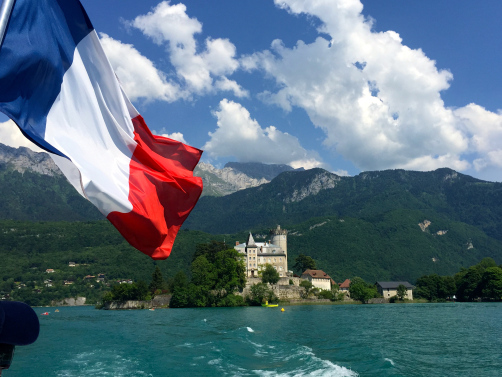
(35, 197)
(294, 197)
(388, 225)
(28, 249)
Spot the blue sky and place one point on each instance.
(346, 85)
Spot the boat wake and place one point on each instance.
(101, 363)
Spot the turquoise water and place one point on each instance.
(343, 340)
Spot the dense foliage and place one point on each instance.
(367, 196)
(217, 273)
(269, 275)
(303, 263)
(34, 197)
(367, 225)
(482, 281)
(29, 249)
(391, 247)
(123, 292)
(260, 293)
(362, 291)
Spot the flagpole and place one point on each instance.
(5, 12)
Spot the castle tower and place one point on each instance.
(280, 238)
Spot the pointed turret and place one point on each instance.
(250, 240)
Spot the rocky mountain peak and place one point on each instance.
(321, 180)
(24, 159)
(224, 181)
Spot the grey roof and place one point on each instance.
(259, 244)
(394, 284)
(250, 240)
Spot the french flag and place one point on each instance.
(58, 86)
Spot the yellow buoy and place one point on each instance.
(282, 309)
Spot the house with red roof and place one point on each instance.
(344, 287)
(318, 278)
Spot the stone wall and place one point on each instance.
(79, 301)
(161, 301)
(130, 304)
(282, 289)
(285, 281)
(288, 292)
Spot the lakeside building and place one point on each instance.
(259, 254)
(389, 288)
(318, 278)
(344, 287)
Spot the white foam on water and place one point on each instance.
(250, 329)
(258, 349)
(327, 370)
(312, 366)
(214, 362)
(188, 345)
(390, 361)
(101, 363)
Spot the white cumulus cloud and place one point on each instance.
(241, 137)
(137, 74)
(202, 71)
(377, 100)
(176, 136)
(11, 136)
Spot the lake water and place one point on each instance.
(456, 339)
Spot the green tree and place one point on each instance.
(448, 288)
(198, 296)
(435, 288)
(361, 291)
(469, 286)
(180, 291)
(260, 293)
(491, 283)
(204, 277)
(486, 263)
(216, 275)
(304, 262)
(203, 272)
(330, 295)
(157, 281)
(307, 286)
(401, 292)
(231, 272)
(209, 250)
(270, 275)
(140, 291)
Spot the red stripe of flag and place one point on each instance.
(162, 191)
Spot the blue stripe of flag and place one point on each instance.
(37, 51)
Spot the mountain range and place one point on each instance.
(384, 225)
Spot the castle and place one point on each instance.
(258, 254)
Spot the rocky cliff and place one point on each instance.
(219, 182)
(24, 159)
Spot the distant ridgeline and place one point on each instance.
(385, 225)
